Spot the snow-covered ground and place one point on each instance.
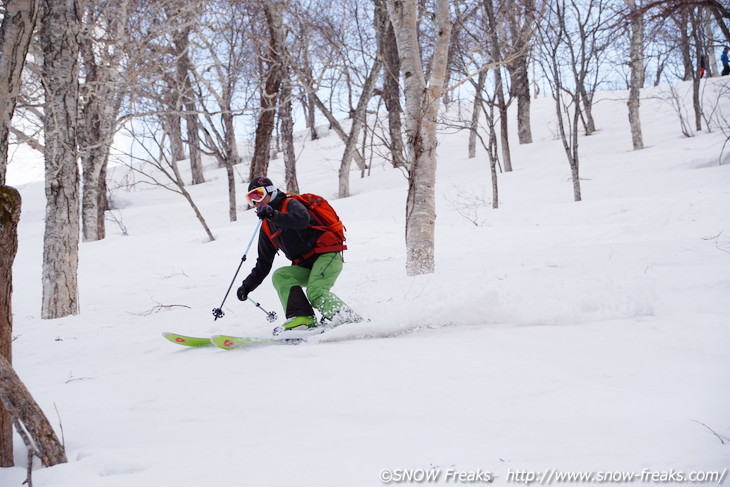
(553, 337)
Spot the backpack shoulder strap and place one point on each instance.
(266, 228)
(265, 224)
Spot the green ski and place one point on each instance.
(227, 342)
(187, 341)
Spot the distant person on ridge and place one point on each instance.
(703, 65)
(725, 62)
(316, 256)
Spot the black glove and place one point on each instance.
(242, 292)
(264, 212)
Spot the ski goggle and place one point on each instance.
(256, 195)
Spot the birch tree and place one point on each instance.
(286, 130)
(183, 16)
(9, 217)
(59, 39)
(272, 70)
(223, 40)
(17, 406)
(391, 92)
(29, 420)
(520, 18)
(636, 64)
(558, 55)
(422, 100)
(360, 114)
(495, 44)
(285, 111)
(100, 97)
(19, 20)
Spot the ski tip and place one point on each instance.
(186, 341)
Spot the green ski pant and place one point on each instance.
(318, 281)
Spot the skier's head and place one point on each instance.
(259, 188)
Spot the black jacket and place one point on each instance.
(295, 239)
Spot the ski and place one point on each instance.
(187, 341)
(227, 342)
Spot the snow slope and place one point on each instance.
(587, 337)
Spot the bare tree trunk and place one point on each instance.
(491, 145)
(19, 20)
(27, 415)
(521, 89)
(10, 203)
(498, 84)
(587, 113)
(357, 122)
(181, 42)
(231, 157)
(307, 102)
(391, 91)
(171, 124)
(476, 113)
(226, 155)
(682, 20)
(59, 37)
(454, 49)
(422, 104)
(718, 14)
(311, 113)
(334, 123)
(101, 103)
(570, 139)
(193, 128)
(696, 26)
(270, 93)
(520, 86)
(229, 132)
(493, 156)
(287, 134)
(554, 39)
(637, 74)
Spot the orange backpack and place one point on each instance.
(326, 219)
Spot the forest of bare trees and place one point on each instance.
(230, 80)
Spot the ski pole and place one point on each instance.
(218, 312)
(270, 315)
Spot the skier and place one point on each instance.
(725, 62)
(291, 225)
(703, 65)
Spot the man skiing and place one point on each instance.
(725, 62)
(703, 65)
(315, 266)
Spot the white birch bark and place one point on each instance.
(422, 101)
(636, 64)
(101, 98)
(476, 113)
(287, 133)
(496, 54)
(59, 38)
(18, 22)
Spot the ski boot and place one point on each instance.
(297, 323)
(342, 317)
